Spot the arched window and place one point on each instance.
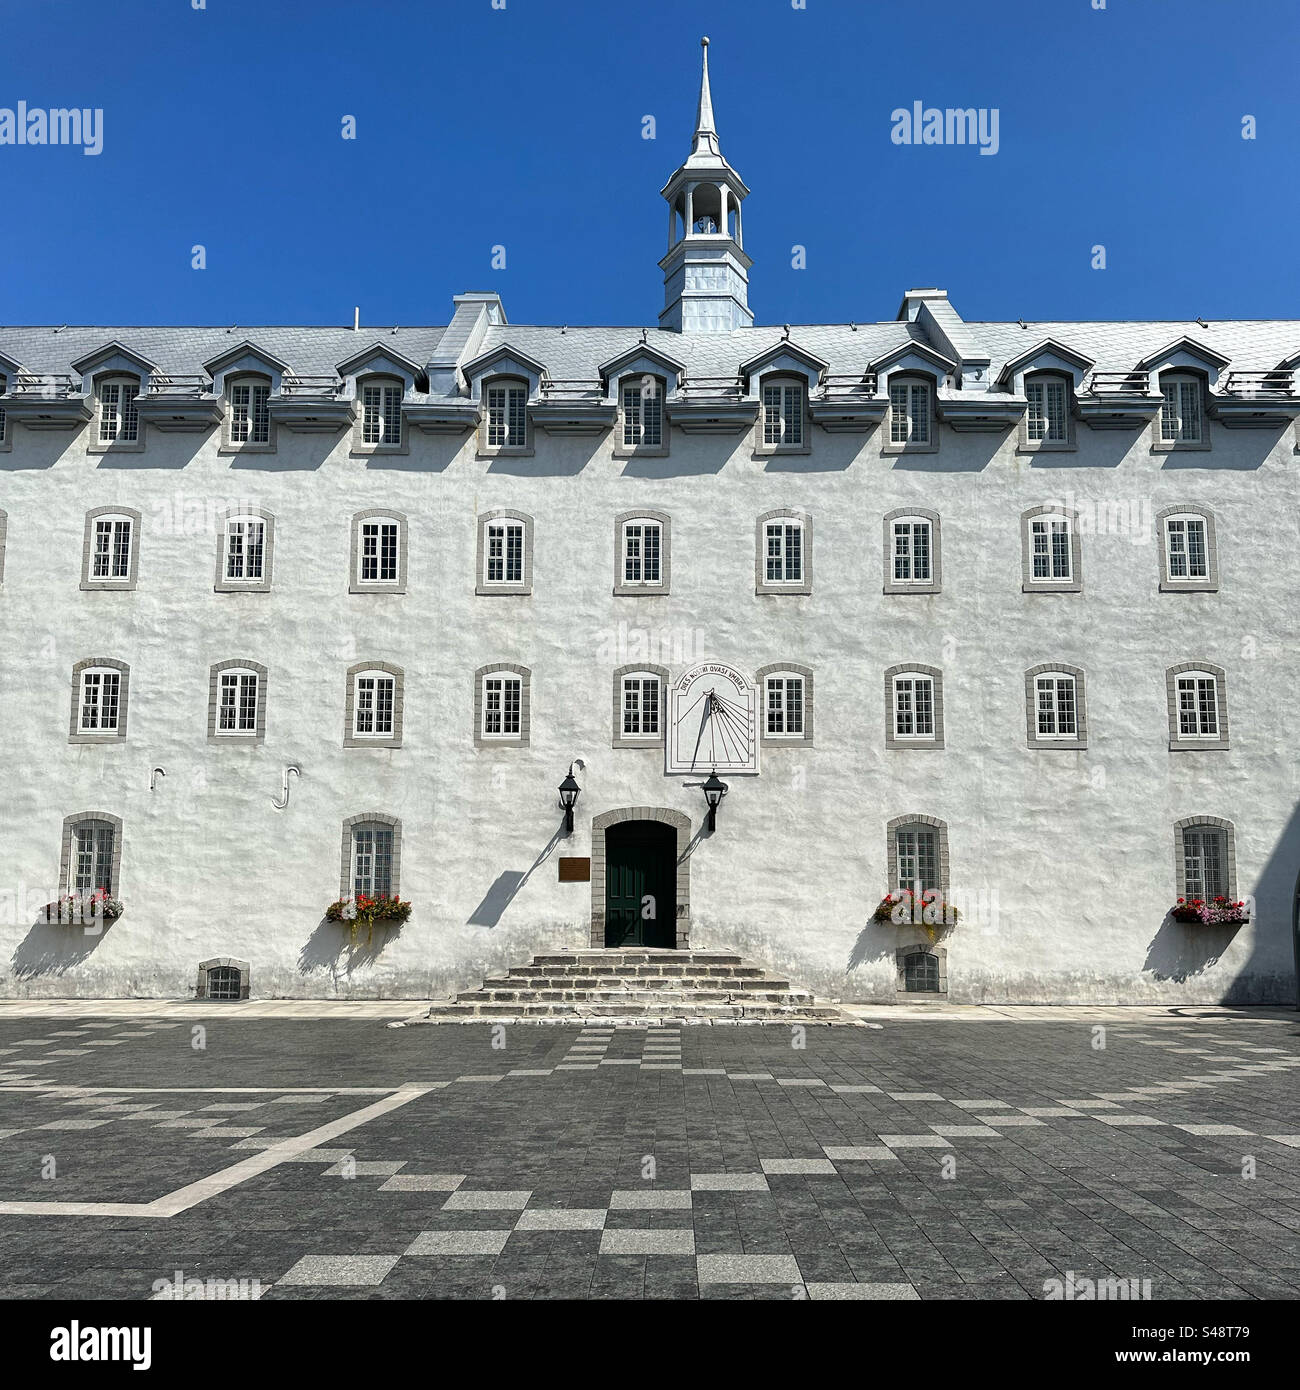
(917, 852)
(1189, 557)
(505, 416)
(223, 979)
(1047, 418)
(374, 703)
(1050, 555)
(783, 558)
(1182, 411)
(1056, 707)
(378, 553)
(502, 705)
(110, 549)
(921, 972)
(92, 853)
(372, 855)
(786, 713)
(237, 701)
(244, 551)
(641, 553)
(119, 417)
(1198, 706)
(379, 414)
(784, 402)
(505, 553)
(248, 412)
(914, 707)
(640, 706)
(912, 559)
(100, 690)
(1205, 858)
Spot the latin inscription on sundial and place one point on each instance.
(712, 722)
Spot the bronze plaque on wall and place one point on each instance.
(574, 869)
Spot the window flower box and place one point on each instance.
(1210, 912)
(362, 911)
(85, 909)
(925, 910)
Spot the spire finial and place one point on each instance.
(706, 132)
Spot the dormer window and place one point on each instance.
(783, 412)
(1182, 417)
(910, 407)
(381, 413)
(249, 420)
(119, 419)
(643, 414)
(1047, 419)
(505, 416)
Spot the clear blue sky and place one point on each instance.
(522, 127)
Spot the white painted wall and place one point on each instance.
(1075, 849)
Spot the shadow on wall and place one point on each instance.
(51, 948)
(877, 943)
(330, 949)
(1179, 951)
(506, 888)
(1268, 974)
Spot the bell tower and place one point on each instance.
(706, 271)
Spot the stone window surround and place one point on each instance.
(761, 584)
(525, 706)
(88, 546)
(359, 447)
(1180, 867)
(4, 540)
(908, 744)
(891, 849)
(935, 583)
(643, 668)
(1181, 373)
(652, 451)
(1208, 585)
(352, 739)
(481, 585)
(385, 586)
(370, 818)
(622, 589)
(682, 824)
(65, 855)
(112, 377)
(792, 668)
(782, 379)
(889, 446)
(486, 450)
(229, 963)
(1070, 444)
(1177, 743)
(1030, 585)
(1080, 740)
(243, 586)
(75, 734)
(925, 949)
(231, 446)
(214, 697)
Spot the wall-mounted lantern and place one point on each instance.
(714, 790)
(569, 790)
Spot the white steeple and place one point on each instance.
(706, 281)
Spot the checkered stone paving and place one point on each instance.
(924, 1160)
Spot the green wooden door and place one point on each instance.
(641, 884)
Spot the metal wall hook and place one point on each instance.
(154, 774)
(284, 794)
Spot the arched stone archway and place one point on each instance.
(681, 823)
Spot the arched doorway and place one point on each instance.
(640, 881)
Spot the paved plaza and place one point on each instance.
(941, 1158)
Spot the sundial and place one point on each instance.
(712, 722)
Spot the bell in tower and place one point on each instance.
(706, 271)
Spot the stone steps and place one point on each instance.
(636, 985)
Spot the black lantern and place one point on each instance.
(569, 790)
(714, 790)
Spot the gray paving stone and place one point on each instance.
(561, 1219)
(749, 1269)
(459, 1243)
(339, 1270)
(662, 1242)
(895, 1292)
(423, 1182)
(650, 1200)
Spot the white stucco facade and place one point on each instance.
(1062, 860)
